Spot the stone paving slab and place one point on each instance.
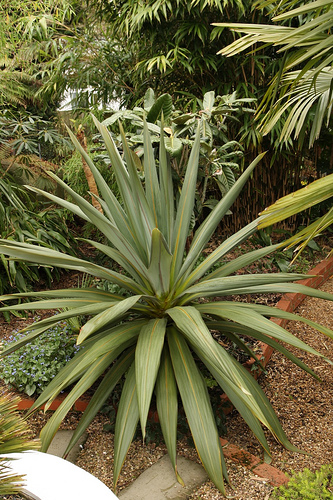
(60, 442)
(159, 481)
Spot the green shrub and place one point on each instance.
(307, 485)
(31, 368)
(14, 438)
(25, 219)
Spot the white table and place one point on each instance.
(48, 477)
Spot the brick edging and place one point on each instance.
(242, 457)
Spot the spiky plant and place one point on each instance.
(155, 332)
(13, 438)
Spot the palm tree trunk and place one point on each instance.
(87, 172)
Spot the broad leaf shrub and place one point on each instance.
(32, 367)
(24, 219)
(14, 437)
(307, 485)
(153, 335)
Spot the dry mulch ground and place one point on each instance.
(304, 407)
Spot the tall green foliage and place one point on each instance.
(155, 327)
(14, 437)
(301, 91)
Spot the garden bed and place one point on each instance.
(97, 455)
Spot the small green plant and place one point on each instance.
(31, 368)
(13, 438)
(307, 485)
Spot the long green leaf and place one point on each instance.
(185, 209)
(242, 261)
(238, 384)
(145, 221)
(160, 264)
(251, 316)
(279, 313)
(167, 193)
(193, 392)
(113, 313)
(215, 286)
(114, 208)
(207, 228)
(302, 199)
(265, 288)
(48, 257)
(147, 361)
(128, 246)
(126, 423)
(153, 192)
(167, 407)
(39, 327)
(71, 293)
(233, 241)
(227, 327)
(114, 342)
(85, 382)
(101, 395)
(64, 203)
(124, 262)
(127, 193)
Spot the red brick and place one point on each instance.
(25, 404)
(81, 405)
(284, 304)
(224, 442)
(273, 475)
(240, 456)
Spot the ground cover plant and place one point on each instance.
(153, 333)
(307, 485)
(32, 367)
